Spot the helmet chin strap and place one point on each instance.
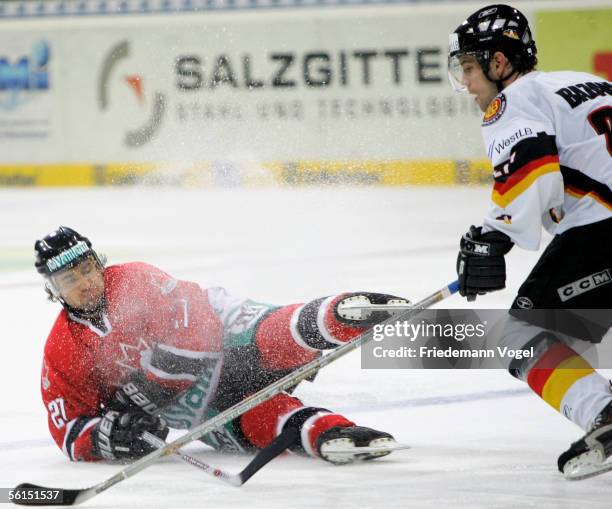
(94, 316)
(499, 83)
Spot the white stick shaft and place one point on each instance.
(259, 397)
(215, 472)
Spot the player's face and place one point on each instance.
(477, 84)
(81, 286)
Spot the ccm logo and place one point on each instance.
(584, 285)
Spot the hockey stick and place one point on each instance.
(280, 444)
(78, 496)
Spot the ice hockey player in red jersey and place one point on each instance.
(136, 350)
(549, 137)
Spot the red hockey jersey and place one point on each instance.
(84, 364)
(174, 331)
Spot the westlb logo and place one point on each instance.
(157, 107)
(25, 76)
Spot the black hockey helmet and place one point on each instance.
(493, 28)
(62, 249)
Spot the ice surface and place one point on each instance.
(479, 439)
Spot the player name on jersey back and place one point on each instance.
(579, 93)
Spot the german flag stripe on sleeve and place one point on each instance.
(556, 371)
(579, 185)
(529, 159)
(506, 192)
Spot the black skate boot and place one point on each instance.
(587, 457)
(342, 445)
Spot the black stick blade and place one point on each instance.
(280, 444)
(33, 494)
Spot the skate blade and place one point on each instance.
(372, 449)
(586, 465)
(344, 451)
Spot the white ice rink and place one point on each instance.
(478, 438)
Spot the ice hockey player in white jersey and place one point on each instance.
(549, 138)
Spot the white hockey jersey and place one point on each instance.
(549, 137)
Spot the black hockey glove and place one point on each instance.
(480, 265)
(117, 435)
(136, 392)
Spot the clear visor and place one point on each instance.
(456, 76)
(465, 67)
(67, 279)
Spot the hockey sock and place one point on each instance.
(311, 422)
(303, 330)
(568, 383)
(265, 422)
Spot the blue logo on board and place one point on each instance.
(24, 77)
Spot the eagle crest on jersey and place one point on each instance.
(495, 110)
